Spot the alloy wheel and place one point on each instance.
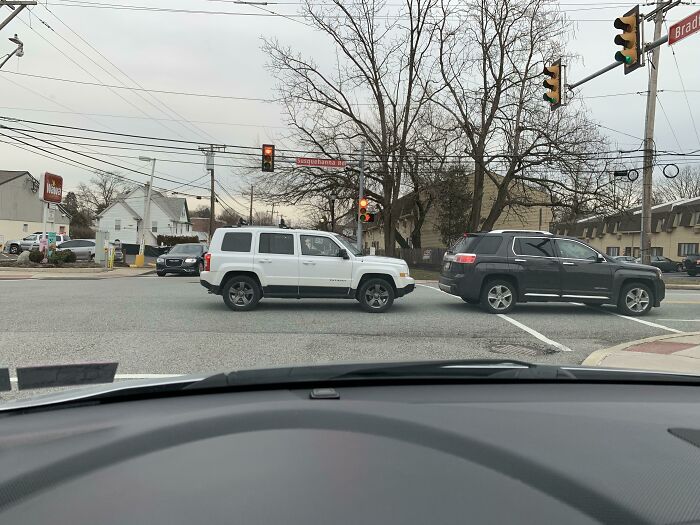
(637, 300)
(241, 294)
(500, 297)
(376, 296)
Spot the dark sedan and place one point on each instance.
(691, 263)
(183, 259)
(665, 264)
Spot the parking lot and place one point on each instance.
(170, 325)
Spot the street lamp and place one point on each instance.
(19, 50)
(140, 258)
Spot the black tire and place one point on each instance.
(241, 293)
(470, 301)
(498, 296)
(14, 249)
(376, 295)
(160, 274)
(692, 273)
(635, 299)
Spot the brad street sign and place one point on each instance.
(684, 28)
(321, 163)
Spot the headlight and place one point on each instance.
(658, 272)
(160, 259)
(190, 260)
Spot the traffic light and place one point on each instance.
(364, 215)
(631, 39)
(268, 157)
(555, 94)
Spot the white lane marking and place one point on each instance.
(637, 320)
(130, 376)
(682, 320)
(520, 325)
(535, 333)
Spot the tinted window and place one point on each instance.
(236, 242)
(489, 244)
(187, 249)
(282, 243)
(68, 244)
(465, 245)
(315, 245)
(534, 246)
(84, 244)
(576, 250)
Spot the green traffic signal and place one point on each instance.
(623, 58)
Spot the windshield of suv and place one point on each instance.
(186, 249)
(472, 158)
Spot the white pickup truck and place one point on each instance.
(247, 263)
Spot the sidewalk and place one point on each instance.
(669, 353)
(72, 274)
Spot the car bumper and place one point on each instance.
(659, 292)
(212, 288)
(191, 269)
(400, 292)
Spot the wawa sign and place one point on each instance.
(53, 187)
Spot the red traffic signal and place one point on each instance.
(364, 215)
(367, 217)
(268, 157)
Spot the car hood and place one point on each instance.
(382, 260)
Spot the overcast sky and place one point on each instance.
(220, 55)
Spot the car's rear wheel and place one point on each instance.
(376, 296)
(241, 293)
(160, 274)
(692, 273)
(498, 296)
(635, 299)
(14, 249)
(200, 268)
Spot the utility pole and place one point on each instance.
(209, 154)
(11, 4)
(146, 223)
(272, 214)
(645, 237)
(250, 214)
(362, 191)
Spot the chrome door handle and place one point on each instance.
(265, 260)
(565, 263)
(519, 260)
(308, 262)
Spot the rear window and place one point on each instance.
(282, 243)
(489, 244)
(236, 242)
(465, 245)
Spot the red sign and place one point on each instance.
(686, 27)
(321, 163)
(53, 187)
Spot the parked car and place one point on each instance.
(625, 258)
(665, 264)
(84, 249)
(182, 258)
(245, 264)
(30, 242)
(691, 264)
(500, 268)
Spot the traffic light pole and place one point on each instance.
(645, 236)
(362, 194)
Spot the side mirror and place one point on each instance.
(600, 258)
(343, 253)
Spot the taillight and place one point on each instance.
(207, 261)
(465, 258)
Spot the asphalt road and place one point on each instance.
(170, 325)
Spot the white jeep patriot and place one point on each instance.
(247, 263)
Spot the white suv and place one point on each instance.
(247, 263)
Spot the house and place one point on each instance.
(123, 219)
(675, 230)
(200, 227)
(21, 211)
(516, 217)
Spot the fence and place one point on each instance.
(427, 258)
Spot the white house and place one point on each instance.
(123, 219)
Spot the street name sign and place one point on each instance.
(321, 163)
(683, 28)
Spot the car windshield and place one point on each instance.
(215, 161)
(186, 249)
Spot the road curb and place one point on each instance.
(9, 269)
(597, 357)
(683, 286)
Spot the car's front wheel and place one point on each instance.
(635, 299)
(160, 274)
(692, 273)
(241, 293)
(376, 296)
(14, 249)
(498, 296)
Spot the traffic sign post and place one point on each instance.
(684, 28)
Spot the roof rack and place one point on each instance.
(540, 232)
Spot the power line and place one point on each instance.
(111, 86)
(673, 132)
(685, 93)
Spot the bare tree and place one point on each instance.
(686, 185)
(200, 211)
(101, 192)
(490, 61)
(372, 94)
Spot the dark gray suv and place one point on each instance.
(502, 267)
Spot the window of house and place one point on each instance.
(657, 250)
(635, 252)
(687, 248)
(154, 226)
(282, 243)
(617, 225)
(696, 218)
(612, 251)
(676, 219)
(25, 228)
(117, 224)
